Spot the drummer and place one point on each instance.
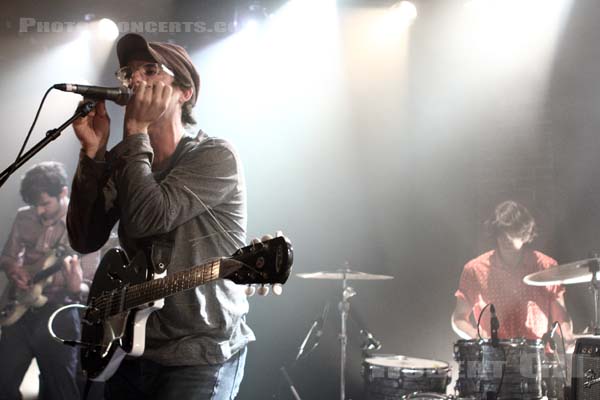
(497, 277)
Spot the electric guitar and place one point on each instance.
(15, 301)
(123, 296)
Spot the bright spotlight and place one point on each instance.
(396, 20)
(250, 16)
(404, 11)
(107, 29)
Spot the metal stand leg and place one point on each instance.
(347, 293)
(594, 267)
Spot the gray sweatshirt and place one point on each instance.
(187, 213)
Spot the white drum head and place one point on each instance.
(404, 362)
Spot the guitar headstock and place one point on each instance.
(262, 262)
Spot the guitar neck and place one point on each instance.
(46, 273)
(133, 296)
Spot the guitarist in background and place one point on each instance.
(180, 201)
(39, 229)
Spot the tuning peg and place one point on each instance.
(279, 234)
(250, 290)
(255, 241)
(277, 289)
(266, 237)
(263, 290)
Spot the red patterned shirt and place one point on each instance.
(523, 310)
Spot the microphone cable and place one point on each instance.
(37, 114)
(479, 319)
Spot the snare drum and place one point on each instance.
(512, 369)
(390, 377)
(428, 396)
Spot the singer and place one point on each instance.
(497, 277)
(181, 199)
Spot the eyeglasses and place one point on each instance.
(125, 74)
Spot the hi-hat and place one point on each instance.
(564, 274)
(347, 274)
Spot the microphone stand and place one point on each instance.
(317, 324)
(344, 307)
(303, 344)
(594, 267)
(51, 135)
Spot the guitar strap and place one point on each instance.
(158, 248)
(156, 252)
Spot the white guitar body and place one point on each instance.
(138, 338)
(15, 302)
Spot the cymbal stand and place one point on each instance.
(595, 287)
(344, 307)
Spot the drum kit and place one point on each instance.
(499, 369)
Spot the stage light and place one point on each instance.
(250, 15)
(107, 29)
(404, 12)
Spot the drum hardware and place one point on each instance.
(494, 325)
(548, 338)
(315, 331)
(510, 370)
(345, 275)
(370, 343)
(582, 271)
(290, 384)
(428, 396)
(390, 377)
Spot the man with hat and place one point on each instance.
(182, 201)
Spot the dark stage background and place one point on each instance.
(383, 151)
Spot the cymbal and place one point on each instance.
(347, 274)
(564, 274)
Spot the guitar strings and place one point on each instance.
(106, 301)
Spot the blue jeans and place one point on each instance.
(144, 379)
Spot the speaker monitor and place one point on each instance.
(585, 382)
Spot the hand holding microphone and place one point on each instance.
(148, 104)
(93, 129)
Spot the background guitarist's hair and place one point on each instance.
(46, 177)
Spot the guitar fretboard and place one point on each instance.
(133, 296)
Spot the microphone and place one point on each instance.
(548, 337)
(119, 95)
(495, 325)
(317, 326)
(320, 323)
(370, 342)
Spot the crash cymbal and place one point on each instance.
(347, 274)
(564, 274)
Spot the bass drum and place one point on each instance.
(391, 377)
(508, 370)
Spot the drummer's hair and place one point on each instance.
(512, 217)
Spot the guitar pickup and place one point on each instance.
(114, 277)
